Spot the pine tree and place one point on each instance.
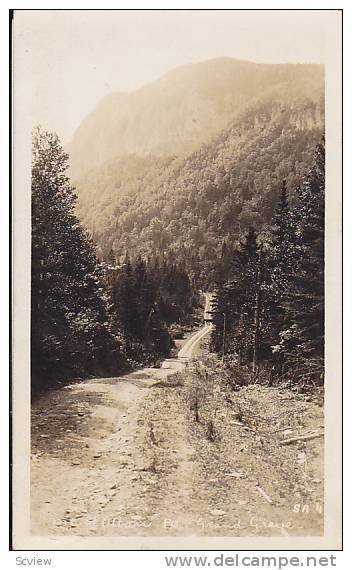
(125, 302)
(70, 322)
(302, 337)
(271, 310)
(281, 264)
(237, 304)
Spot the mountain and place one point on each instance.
(186, 108)
(187, 180)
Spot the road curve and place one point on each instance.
(187, 351)
(188, 348)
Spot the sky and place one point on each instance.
(65, 62)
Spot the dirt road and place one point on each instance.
(92, 447)
(124, 456)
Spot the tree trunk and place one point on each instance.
(257, 316)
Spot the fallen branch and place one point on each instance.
(301, 438)
(297, 427)
(263, 493)
(243, 426)
(281, 429)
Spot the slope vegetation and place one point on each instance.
(186, 208)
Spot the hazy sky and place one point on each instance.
(68, 60)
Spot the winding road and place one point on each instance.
(186, 353)
(124, 458)
(93, 441)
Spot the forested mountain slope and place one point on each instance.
(186, 108)
(171, 182)
(187, 207)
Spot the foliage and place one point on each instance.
(91, 317)
(71, 325)
(148, 298)
(269, 311)
(188, 208)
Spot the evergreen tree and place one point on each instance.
(236, 302)
(126, 303)
(71, 329)
(271, 310)
(302, 337)
(281, 264)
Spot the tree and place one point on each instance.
(238, 303)
(71, 328)
(302, 337)
(124, 293)
(273, 302)
(281, 257)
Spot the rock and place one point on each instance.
(217, 512)
(235, 474)
(301, 457)
(75, 462)
(114, 486)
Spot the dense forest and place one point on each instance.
(90, 316)
(269, 305)
(211, 178)
(101, 316)
(189, 207)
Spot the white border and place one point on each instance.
(91, 559)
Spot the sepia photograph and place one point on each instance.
(177, 260)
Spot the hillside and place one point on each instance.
(186, 108)
(187, 207)
(178, 345)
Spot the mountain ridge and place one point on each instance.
(185, 108)
(187, 207)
